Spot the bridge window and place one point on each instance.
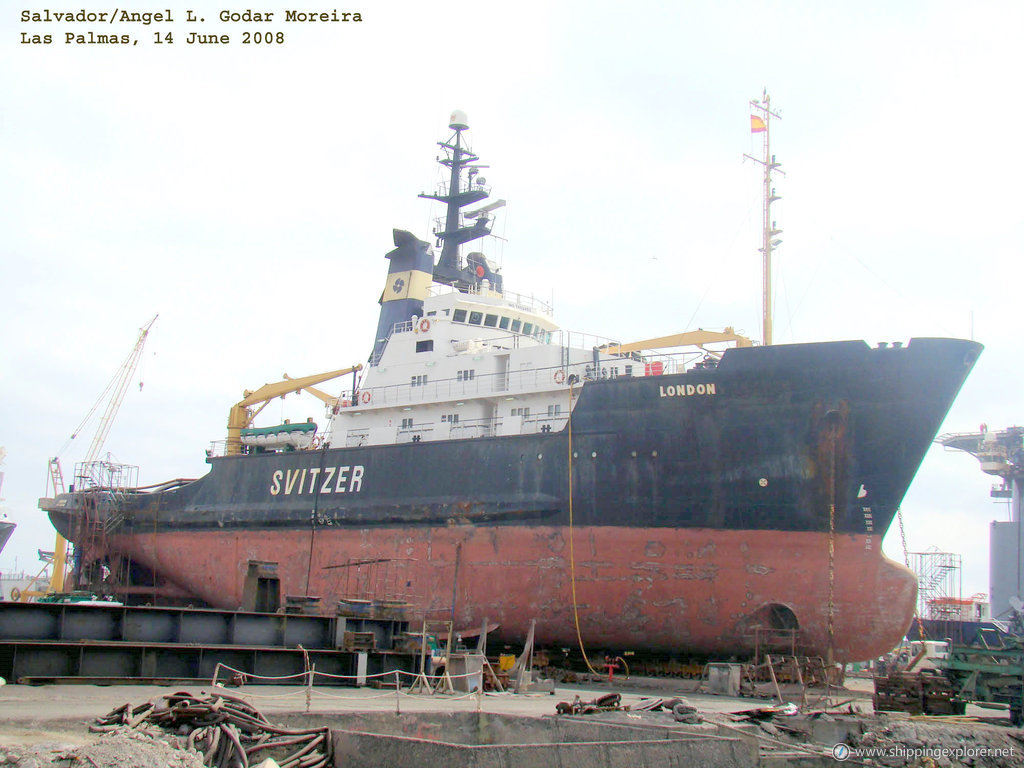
(425, 346)
(504, 323)
(491, 321)
(475, 318)
(459, 316)
(515, 325)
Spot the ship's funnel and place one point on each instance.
(409, 277)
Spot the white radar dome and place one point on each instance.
(458, 121)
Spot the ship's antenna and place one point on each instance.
(456, 194)
(760, 122)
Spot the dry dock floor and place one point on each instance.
(51, 722)
(34, 714)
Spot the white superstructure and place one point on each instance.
(475, 364)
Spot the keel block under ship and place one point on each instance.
(485, 459)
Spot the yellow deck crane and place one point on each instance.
(242, 413)
(696, 338)
(113, 394)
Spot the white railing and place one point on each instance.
(471, 428)
(446, 390)
(512, 298)
(357, 437)
(580, 341)
(462, 430)
(527, 381)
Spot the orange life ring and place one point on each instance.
(365, 396)
(559, 376)
(15, 594)
(425, 325)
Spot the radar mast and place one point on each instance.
(456, 194)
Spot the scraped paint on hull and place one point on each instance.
(660, 589)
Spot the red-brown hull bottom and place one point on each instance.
(696, 591)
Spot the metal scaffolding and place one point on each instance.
(939, 590)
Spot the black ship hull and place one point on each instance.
(767, 440)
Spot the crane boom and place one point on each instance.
(696, 338)
(118, 385)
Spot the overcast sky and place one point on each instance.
(247, 194)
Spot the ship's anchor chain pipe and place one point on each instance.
(572, 551)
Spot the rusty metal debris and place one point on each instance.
(225, 730)
(681, 709)
(609, 702)
(653, 705)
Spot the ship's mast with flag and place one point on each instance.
(760, 122)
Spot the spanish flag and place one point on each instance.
(757, 124)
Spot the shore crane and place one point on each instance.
(87, 475)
